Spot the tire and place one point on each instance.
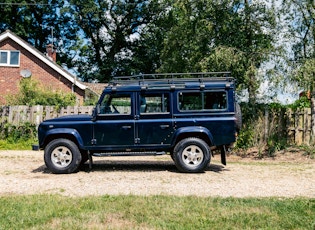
(62, 156)
(192, 155)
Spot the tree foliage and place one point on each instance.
(221, 35)
(301, 21)
(31, 21)
(113, 29)
(300, 18)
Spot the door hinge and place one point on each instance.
(93, 141)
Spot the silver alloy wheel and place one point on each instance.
(192, 155)
(61, 157)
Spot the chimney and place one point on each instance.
(50, 52)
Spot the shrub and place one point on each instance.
(14, 133)
(31, 94)
(264, 126)
(301, 103)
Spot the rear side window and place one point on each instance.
(192, 101)
(154, 103)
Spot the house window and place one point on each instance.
(9, 58)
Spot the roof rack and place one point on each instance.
(172, 78)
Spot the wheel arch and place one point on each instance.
(70, 134)
(198, 132)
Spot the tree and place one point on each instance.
(41, 24)
(30, 21)
(238, 33)
(112, 31)
(300, 16)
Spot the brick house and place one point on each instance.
(19, 59)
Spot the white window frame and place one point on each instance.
(9, 58)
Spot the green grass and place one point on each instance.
(154, 212)
(17, 145)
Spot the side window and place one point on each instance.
(192, 101)
(116, 104)
(154, 103)
(215, 100)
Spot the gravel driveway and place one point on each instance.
(24, 172)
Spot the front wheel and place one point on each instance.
(62, 156)
(192, 155)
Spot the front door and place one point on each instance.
(114, 127)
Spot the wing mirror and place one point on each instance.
(96, 111)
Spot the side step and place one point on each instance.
(114, 154)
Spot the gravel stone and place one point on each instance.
(24, 172)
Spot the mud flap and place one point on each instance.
(223, 155)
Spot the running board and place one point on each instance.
(114, 154)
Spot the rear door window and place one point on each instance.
(154, 103)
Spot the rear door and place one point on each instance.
(154, 123)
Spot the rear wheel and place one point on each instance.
(192, 155)
(62, 156)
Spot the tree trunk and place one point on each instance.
(312, 141)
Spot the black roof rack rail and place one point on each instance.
(171, 78)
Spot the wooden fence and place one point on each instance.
(36, 114)
(299, 126)
(294, 126)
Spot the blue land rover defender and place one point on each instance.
(185, 115)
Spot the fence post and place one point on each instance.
(266, 129)
(39, 115)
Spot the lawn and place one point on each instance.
(154, 212)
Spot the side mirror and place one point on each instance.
(96, 111)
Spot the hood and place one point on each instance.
(84, 117)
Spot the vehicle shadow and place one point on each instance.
(143, 165)
(131, 166)
(128, 165)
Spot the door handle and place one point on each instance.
(164, 126)
(126, 127)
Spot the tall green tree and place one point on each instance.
(300, 18)
(112, 30)
(223, 35)
(31, 21)
(43, 23)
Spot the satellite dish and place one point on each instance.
(25, 73)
